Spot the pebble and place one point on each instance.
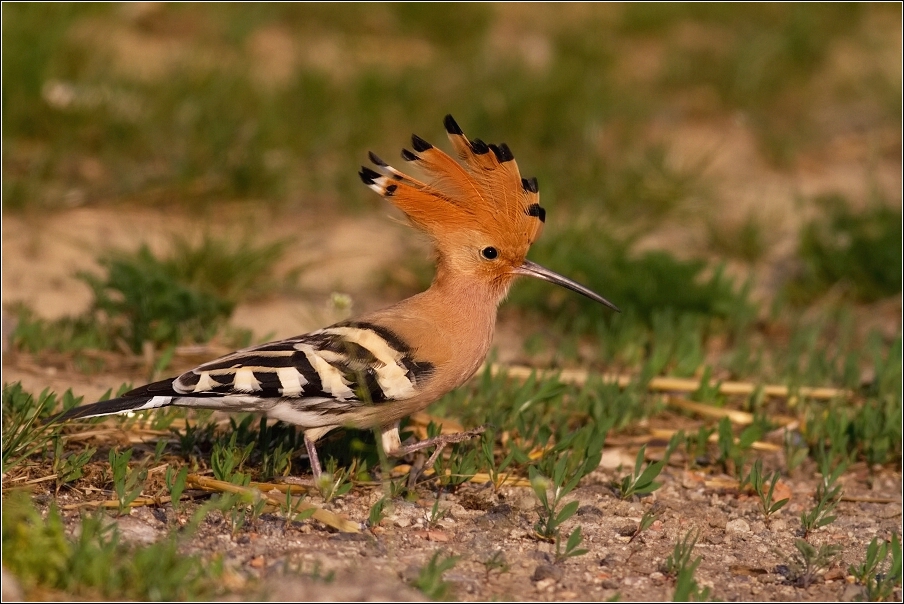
(627, 530)
(778, 526)
(544, 572)
(134, 530)
(738, 525)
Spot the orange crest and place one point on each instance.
(484, 194)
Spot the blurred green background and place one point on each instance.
(720, 167)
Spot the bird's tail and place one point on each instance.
(123, 404)
(152, 396)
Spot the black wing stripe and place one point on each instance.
(349, 364)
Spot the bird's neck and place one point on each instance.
(451, 324)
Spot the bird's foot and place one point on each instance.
(439, 442)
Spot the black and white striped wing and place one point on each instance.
(346, 362)
(309, 380)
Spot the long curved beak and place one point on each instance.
(532, 269)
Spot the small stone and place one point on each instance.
(852, 593)
(739, 525)
(778, 526)
(545, 572)
(525, 502)
(589, 510)
(718, 520)
(627, 530)
(545, 584)
(134, 530)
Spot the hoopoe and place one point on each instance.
(371, 372)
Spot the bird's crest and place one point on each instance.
(483, 193)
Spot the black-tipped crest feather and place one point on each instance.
(452, 126)
(420, 144)
(367, 175)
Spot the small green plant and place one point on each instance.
(436, 513)
(290, 508)
(795, 449)
(159, 449)
(572, 458)
(334, 482)
(680, 558)
(827, 496)
(642, 480)
(697, 446)
(680, 566)
(551, 517)
(808, 561)
(571, 546)
(459, 468)
(194, 435)
(24, 429)
(175, 483)
(496, 562)
(127, 482)
(430, 578)
(233, 507)
(495, 469)
(69, 467)
(377, 512)
(758, 480)
(646, 521)
(143, 301)
(733, 453)
(877, 578)
(686, 587)
(227, 460)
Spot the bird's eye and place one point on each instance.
(490, 253)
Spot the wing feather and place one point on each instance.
(354, 363)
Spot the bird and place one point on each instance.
(374, 370)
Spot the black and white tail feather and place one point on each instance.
(317, 380)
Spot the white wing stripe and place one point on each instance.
(205, 382)
(391, 376)
(291, 380)
(245, 381)
(331, 379)
(155, 402)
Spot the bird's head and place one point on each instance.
(481, 214)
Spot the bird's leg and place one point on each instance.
(312, 456)
(391, 437)
(439, 441)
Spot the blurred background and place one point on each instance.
(729, 175)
